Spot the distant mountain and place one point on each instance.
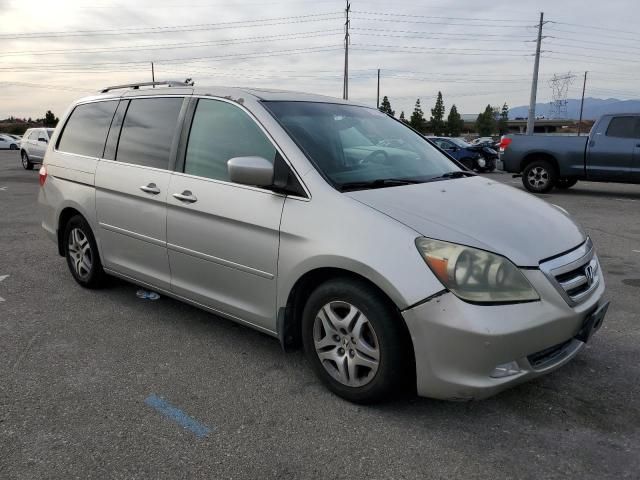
(593, 108)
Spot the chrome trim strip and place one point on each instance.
(137, 236)
(220, 261)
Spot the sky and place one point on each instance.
(476, 53)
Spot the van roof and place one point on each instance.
(215, 91)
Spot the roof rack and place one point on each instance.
(136, 86)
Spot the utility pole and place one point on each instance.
(534, 83)
(584, 85)
(378, 94)
(153, 75)
(345, 86)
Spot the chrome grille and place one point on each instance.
(576, 274)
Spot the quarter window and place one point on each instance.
(624, 127)
(221, 131)
(86, 129)
(148, 131)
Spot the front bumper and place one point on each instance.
(458, 345)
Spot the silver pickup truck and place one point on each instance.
(611, 153)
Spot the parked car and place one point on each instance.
(474, 157)
(8, 143)
(611, 153)
(327, 225)
(33, 145)
(487, 142)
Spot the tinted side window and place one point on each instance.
(86, 129)
(623, 127)
(148, 131)
(221, 131)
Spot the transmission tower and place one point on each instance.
(560, 90)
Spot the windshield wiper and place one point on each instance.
(456, 174)
(378, 183)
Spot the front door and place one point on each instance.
(131, 189)
(610, 152)
(223, 237)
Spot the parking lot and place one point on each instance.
(82, 373)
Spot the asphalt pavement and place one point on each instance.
(102, 384)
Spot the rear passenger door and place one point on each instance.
(131, 188)
(223, 237)
(610, 151)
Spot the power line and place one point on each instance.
(594, 27)
(391, 20)
(82, 66)
(171, 46)
(509, 20)
(179, 28)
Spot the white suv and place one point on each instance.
(34, 144)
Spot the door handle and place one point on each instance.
(185, 196)
(151, 188)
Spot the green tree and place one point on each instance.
(455, 124)
(402, 118)
(503, 127)
(385, 107)
(417, 117)
(486, 122)
(50, 120)
(436, 123)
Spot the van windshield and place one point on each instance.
(360, 146)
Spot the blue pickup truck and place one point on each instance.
(611, 153)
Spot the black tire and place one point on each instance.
(26, 163)
(391, 343)
(468, 162)
(94, 276)
(566, 183)
(539, 176)
(13, 147)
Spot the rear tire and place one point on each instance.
(354, 342)
(566, 183)
(81, 251)
(26, 163)
(13, 147)
(539, 176)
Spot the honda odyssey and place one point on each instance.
(328, 225)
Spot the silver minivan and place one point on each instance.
(328, 225)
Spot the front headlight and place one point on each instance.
(475, 275)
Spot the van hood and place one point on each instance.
(480, 213)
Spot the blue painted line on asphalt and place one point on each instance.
(177, 415)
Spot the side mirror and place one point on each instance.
(42, 139)
(255, 171)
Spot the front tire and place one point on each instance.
(354, 341)
(539, 176)
(81, 251)
(468, 162)
(26, 163)
(13, 147)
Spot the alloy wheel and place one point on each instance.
(538, 178)
(346, 344)
(80, 253)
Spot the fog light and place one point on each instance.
(506, 370)
(481, 162)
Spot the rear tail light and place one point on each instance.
(43, 175)
(504, 143)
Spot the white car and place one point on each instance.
(33, 145)
(7, 142)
